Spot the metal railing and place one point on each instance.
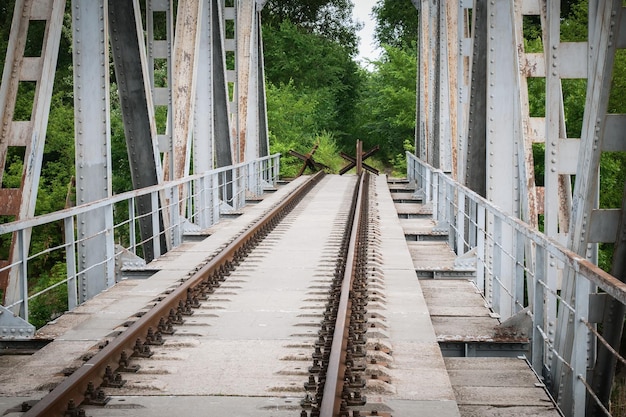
(179, 207)
(521, 271)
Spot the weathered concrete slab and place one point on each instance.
(414, 209)
(431, 256)
(83, 328)
(501, 396)
(405, 196)
(491, 372)
(400, 186)
(415, 349)
(498, 411)
(420, 227)
(167, 406)
(499, 387)
(464, 329)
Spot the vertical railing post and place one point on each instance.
(190, 208)
(249, 180)
(109, 246)
(156, 241)
(496, 271)
(202, 202)
(460, 223)
(22, 249)
(435, 194)
(132, 229)
(258, 176)
(450, 210)
(215, 198)
(177, 230)
(539, 322)
(472, 231)
(518, 270)
(579, 346)
(235, 182)
(429, 186)
(254, 176)
(480, 248)
(70, 263)
(551, 304)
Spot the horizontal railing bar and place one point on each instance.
(84, 208)
(593, 273)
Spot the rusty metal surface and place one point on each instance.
(183, 88)
(140, 130)
(333, 388)
(29, 134)
(147, 330)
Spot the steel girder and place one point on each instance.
(26, 137)
(496, 136)
(205, 123)
(130, 61)
(93, 145)
(589, 225)
(436, 126)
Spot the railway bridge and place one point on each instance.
(464, 289)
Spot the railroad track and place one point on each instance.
(335, 382)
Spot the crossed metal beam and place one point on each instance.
(358, 161)
(308, 160)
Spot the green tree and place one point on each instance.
(313, 63)
(397, 23)
(330, 19)
(386, 114)
(295, 119)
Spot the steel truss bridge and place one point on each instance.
(473, 162)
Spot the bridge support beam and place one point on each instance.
(24, 139)
(93, 145)
(436, 128)
(601, 132)
(129, 58)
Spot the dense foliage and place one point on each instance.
(309, 65)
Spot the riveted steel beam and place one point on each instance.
(184, 82)
(93, 144)
(475, 153)
(437, 99)
(129, 57)
(28, 135)
(604, 24)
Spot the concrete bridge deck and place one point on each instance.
(446, 356)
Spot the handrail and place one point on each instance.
(517, 270)
(83, 208)
(201, 191)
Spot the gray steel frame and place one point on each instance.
(200, 116)
(497, 131)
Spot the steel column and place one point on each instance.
(161, 49)
(475, 153)
(93, 142)
(604, 22)
(129, 57)
(26, 134)
(186, 44)
(439, 102)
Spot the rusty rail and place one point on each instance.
(336, 396)
(85, 384)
